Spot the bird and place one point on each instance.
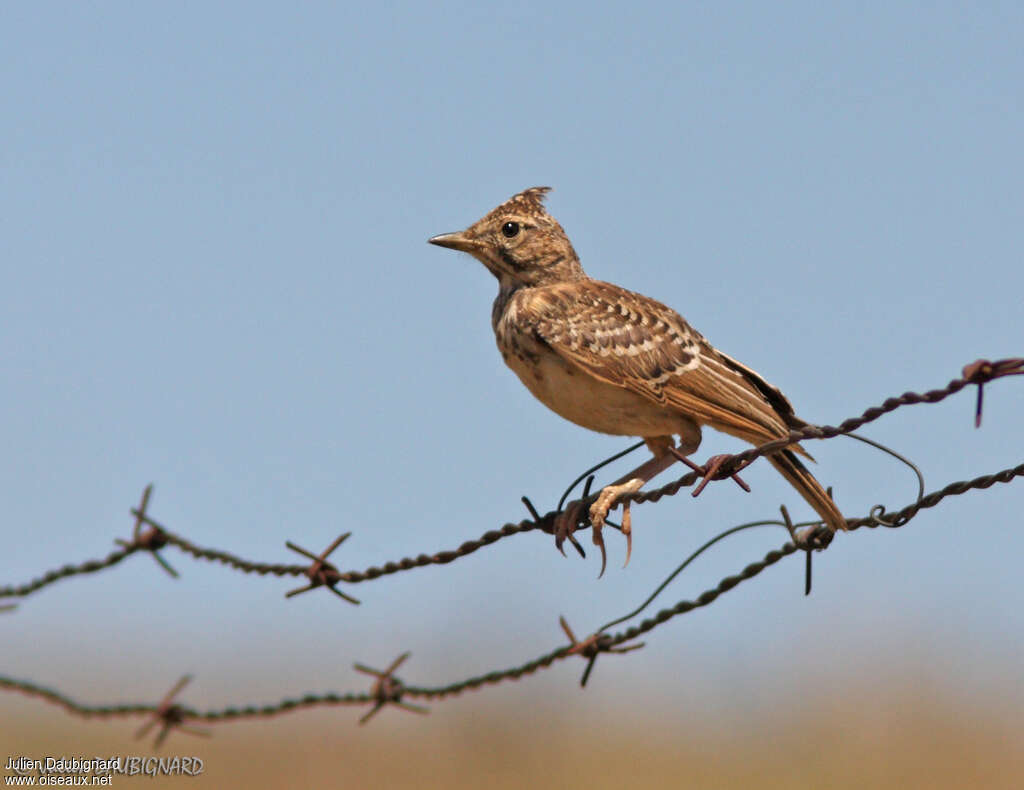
(621, 363)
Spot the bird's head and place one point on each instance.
(519, 242)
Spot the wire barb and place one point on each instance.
(591, 647)
(800, 540)
(321, 573)
(152, 538)
(711, 470)
(387, 689)
(170, 716)
(981, 371)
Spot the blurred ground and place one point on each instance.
(853, 737)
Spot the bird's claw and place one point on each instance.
(606, 501)
(627, 530)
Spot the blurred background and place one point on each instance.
(215, 278)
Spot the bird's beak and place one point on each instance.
(455, 241)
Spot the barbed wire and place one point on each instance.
(322, 573)
(387, 689)
(390, 690)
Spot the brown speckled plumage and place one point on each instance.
(613, 360)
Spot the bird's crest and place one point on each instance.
(531, 199)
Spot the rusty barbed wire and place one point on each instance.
(66, 571)
(388, 690)
(608, 643)
(54, 697)
(322, 573)
(979, 372)
(171, 715)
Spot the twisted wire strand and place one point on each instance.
(67, 571)
(394, 691)
(977, 373)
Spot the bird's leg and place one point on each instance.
(630, 483)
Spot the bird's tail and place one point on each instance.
(802, 480)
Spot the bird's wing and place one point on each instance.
(632, 341)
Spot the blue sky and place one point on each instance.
(215, 278)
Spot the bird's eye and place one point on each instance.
(510, 229)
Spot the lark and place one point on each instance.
(618, 362)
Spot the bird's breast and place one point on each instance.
(580, 397)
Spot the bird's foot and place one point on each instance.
(710, 470)
(607, 500)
